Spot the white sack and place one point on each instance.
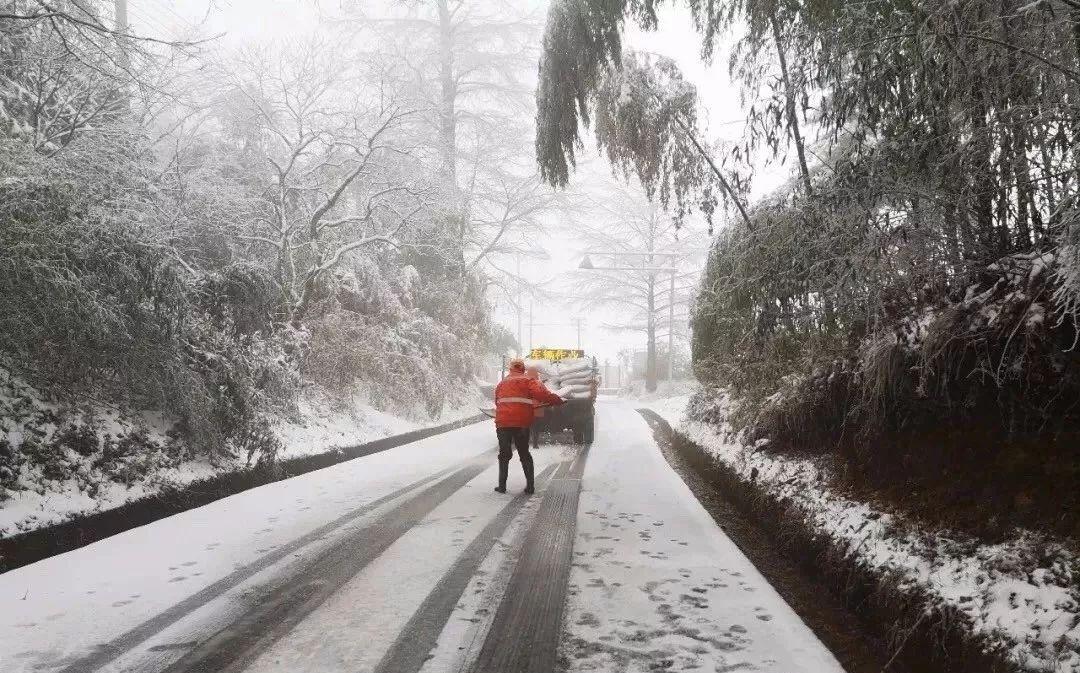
(575, 369)
(577, 380)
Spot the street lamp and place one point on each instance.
(587, 265)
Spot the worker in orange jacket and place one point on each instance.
(515, 398)
(538, 411)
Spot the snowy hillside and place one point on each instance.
(59, 460)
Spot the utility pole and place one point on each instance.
(520, 336)
(578, 321)
(671, 326)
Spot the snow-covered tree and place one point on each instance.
(328, 175)
(470, 66)
(643, 270)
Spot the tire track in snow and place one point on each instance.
(421, 633)
(524, 636)
(272, 617)
(104, 654)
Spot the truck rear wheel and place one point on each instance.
(579, 434)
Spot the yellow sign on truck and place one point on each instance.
(555, 354)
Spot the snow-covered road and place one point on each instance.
(406, 560)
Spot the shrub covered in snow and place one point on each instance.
(969, 393)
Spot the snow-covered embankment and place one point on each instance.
(1018, 599)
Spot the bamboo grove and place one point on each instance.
(920, 266)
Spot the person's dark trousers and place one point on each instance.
(509, 439)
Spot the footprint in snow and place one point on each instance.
(588, 619)
(694, 601)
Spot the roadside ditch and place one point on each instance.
(862, 617)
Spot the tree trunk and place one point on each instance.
(448, 93)
(650, 359)
(983, 183)
(792, 110)
(448, 90)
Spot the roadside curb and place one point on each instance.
(26, 548)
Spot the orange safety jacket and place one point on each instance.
(515, 397)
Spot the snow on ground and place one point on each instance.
(1022, 594)
(325, 426)
(671, 409)
(463, 635)
(355, 627)
(669, 400)
(65, 606)
(55, 502)
(37, 501)
(656, 584)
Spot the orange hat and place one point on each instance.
(517, 365)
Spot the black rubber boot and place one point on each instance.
(527, 465)
(504, 467)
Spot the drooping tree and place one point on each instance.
(643, 111)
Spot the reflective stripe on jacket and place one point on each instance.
(515, 397)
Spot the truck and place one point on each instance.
(577, 414)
